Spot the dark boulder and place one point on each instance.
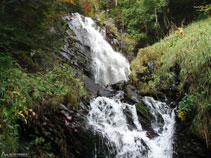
(119, 85)
(95, 89)
(188, 145)
(130, 95)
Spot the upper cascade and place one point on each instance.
(108, 66)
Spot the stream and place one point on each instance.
(115, 120)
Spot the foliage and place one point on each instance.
(190, 49)
(41, 142)
(87, 6)
(205, 9)
(147, 21)
(31, 30)
(30, 34)
(185, 106)
(21, 91)
(135, 17)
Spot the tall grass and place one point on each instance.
(190, 48)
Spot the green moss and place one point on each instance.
(142, 107)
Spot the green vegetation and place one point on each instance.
(25, 30)
(189, 50)
(143, 108)
(21, 91)
(147, 21)
(31, 76)
(205, 9)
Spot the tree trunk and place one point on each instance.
(157, 26)
(165, 17)
(116, 3)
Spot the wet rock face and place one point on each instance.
(119, 45)
(76, 51)
(96, 90)
(131, 94)
(188, 145)
(111, 33)
(65, 132)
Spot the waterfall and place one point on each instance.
(128, 139)
(163, 124)
(115, 120)
(108, 65)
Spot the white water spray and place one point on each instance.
(128, 139)
(163, 125)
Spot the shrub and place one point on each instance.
(20, 92)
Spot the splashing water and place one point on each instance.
(128, 139)
(165, 130)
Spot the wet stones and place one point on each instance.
(76, 51)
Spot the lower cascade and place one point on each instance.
(127, 139)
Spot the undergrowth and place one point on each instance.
(190, 48)
(30, 37)
(104, 18)
(20, 92)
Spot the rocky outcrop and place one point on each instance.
(76, 52)
(96, 90)
(118, 44)
(114, 37)
(188, 145)
(60, 133)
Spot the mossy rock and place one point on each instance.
(143, 108)
(153, 93)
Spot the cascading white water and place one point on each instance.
(109, 66)
(107, 116)
(164, 126)
(116, 121)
